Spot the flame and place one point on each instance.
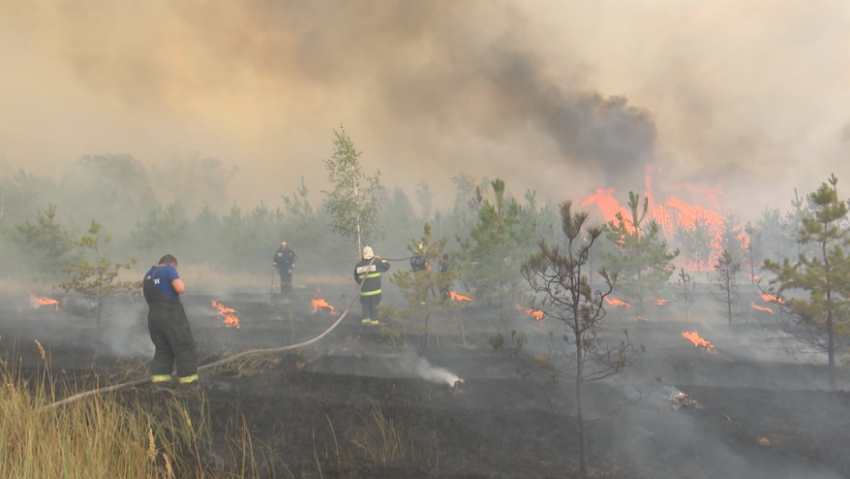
(459, 297)
(660, 301)
(45, 301)
(694, 337)
(771, 299)
(692, 207)
(617, 302)
(641, 318)
(230, 318)
(761, 308)
(532, 313)
(319, 304)
(603, 198)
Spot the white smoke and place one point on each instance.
(413, 364)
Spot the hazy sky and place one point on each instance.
(557, 96)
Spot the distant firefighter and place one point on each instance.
(419, 262)
(168, 324)
(284, 261)
(370, 277)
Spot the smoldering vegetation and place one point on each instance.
(759, 400)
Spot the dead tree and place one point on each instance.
(726, 269)
(686, 288)
(559, 277)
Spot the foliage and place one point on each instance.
(46, 243)
(353, 204)
(163, 230)
(727, 269)
(491, 254)
(642, 258)
(771, 227)
(115, 188)
(820, 317)
(560, 276)
(732, 239)
(753, 249)
(195, 182)
(696, 243)
(428, 291)
(298, 206)
(99, 280)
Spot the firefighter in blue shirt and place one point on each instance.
(168, 325)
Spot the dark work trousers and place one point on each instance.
(172, 337)
(285, 281)
(370, 306)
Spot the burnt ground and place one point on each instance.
(358, 404)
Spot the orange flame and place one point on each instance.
(761, 308)
(660, 301)
(230, 318)
(532, 313)
(617, 302)
(674, 214)
(641, 318)
(771, 299)
(459, 297)
(319, 304)
(695, 338)
(45, 301)
(603, 198)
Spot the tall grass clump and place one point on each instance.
(92, 438)
(147, 433)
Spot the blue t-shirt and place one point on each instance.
(162, 279)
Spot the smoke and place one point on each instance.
(411, 364)
(434, 87)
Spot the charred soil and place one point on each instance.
(358, 404)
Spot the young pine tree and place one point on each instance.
(428, 291)
(492, 252)
(98, 281)
(643, 261)
(815, 289)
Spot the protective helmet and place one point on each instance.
(420, 248)
(368, 253)
(283, 243)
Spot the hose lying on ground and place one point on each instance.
(227, 359)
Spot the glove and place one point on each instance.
(289, 271)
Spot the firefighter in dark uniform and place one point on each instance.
(168, 325)
(284, 261)
(419, 262)
(370, 276)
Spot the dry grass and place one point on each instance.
(150, 435)
(381, 439)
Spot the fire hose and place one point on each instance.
(228, 359)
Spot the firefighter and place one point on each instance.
(168, 325)
(370, 276)
(419, 262)
(284, 261)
